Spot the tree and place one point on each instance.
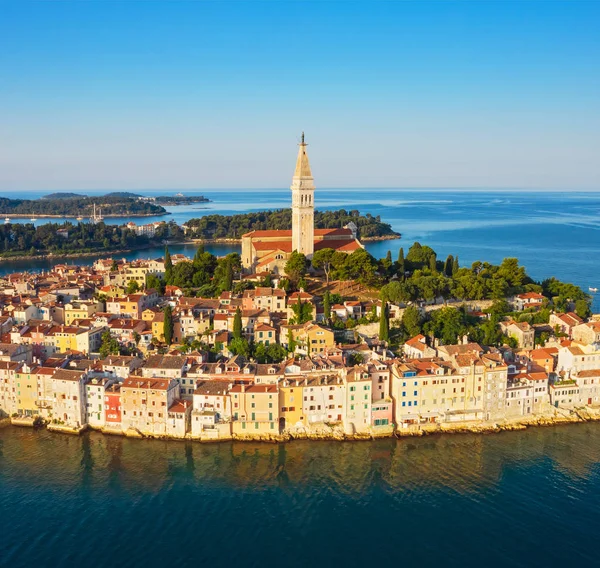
(302, 312)
(154, 282)
(237, 324)
(291, 342)
(322, 260)
(401, 270)
(109, 346)
(327, 306)
(132, 287)
(168, 325)
(168, 267)
(455, 265)
(296, 266)
(433, 263)
(412, 321)
(582, 309)
(384, 323)
(448, 266)
(239, 346)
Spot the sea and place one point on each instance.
(526, 499)
(552, 233)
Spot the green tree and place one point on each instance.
(132, 287)
(302, 312)
(109, 345)
(582, 309)
(448, 266)
(168, 267)
(455, 265)
(433, 263)
(401, 265)
(327, 306)
(384, 323)
(237, 324)
(291, 342)
(239, 346)
(168, 325)
(412, 321)
(296, 266)
(322, 260)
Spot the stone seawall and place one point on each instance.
(336, 432)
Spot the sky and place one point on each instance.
(215, 94)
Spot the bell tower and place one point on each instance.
(303, 205)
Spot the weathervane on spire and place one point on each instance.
(302, 138)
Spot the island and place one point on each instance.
(232, 227)
(115, 204)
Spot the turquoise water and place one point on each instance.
(527, 498)
(552, 233)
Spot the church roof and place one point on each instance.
(302, 165)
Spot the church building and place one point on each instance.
(268, 251)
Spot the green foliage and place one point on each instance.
(412, 321)
(447, 324)
(322, 260)
(272, 353)
(327, 305)
(234, 226)
(168, 325)
(302, 312)
(109, 346)
(582, 308)
(419, 256)
(132, 287)
(168, 267)
(384, 324)
(237, 324)
(291, 342)
(74, 205)
(153, 281)
(239, 346)
(296, 266)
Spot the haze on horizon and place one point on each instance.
(192, 95)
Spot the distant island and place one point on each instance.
(232, 227)
(115, 204)
(24, 240)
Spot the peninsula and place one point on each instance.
(303, 335)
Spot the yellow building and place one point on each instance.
(255, 409)
(26, 382)
(80, 311)
(290, 403)
(311, 338)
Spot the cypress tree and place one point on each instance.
(448, 265)
(237, 324)
(388, 257)
(228, 278)
(433, 263)
(455, 266)
(327, 305)
(401, 263)
(168, 267)
(384, 323)
(168, 325)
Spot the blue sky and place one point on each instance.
(215, 94)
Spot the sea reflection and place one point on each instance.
(448, 463)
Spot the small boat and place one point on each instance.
(6, 220)
(593, 289)
(33, 219)
(80, 218)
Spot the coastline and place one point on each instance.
(114, 216)
(328, 433)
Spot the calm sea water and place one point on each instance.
(552, 233)
(516, 499)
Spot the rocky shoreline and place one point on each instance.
(336, 432)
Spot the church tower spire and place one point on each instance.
(303, 205)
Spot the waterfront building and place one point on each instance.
(112, 406)
(358, 400)
(95, 391)
(255, 409)
(145, 403)
(69, 404)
